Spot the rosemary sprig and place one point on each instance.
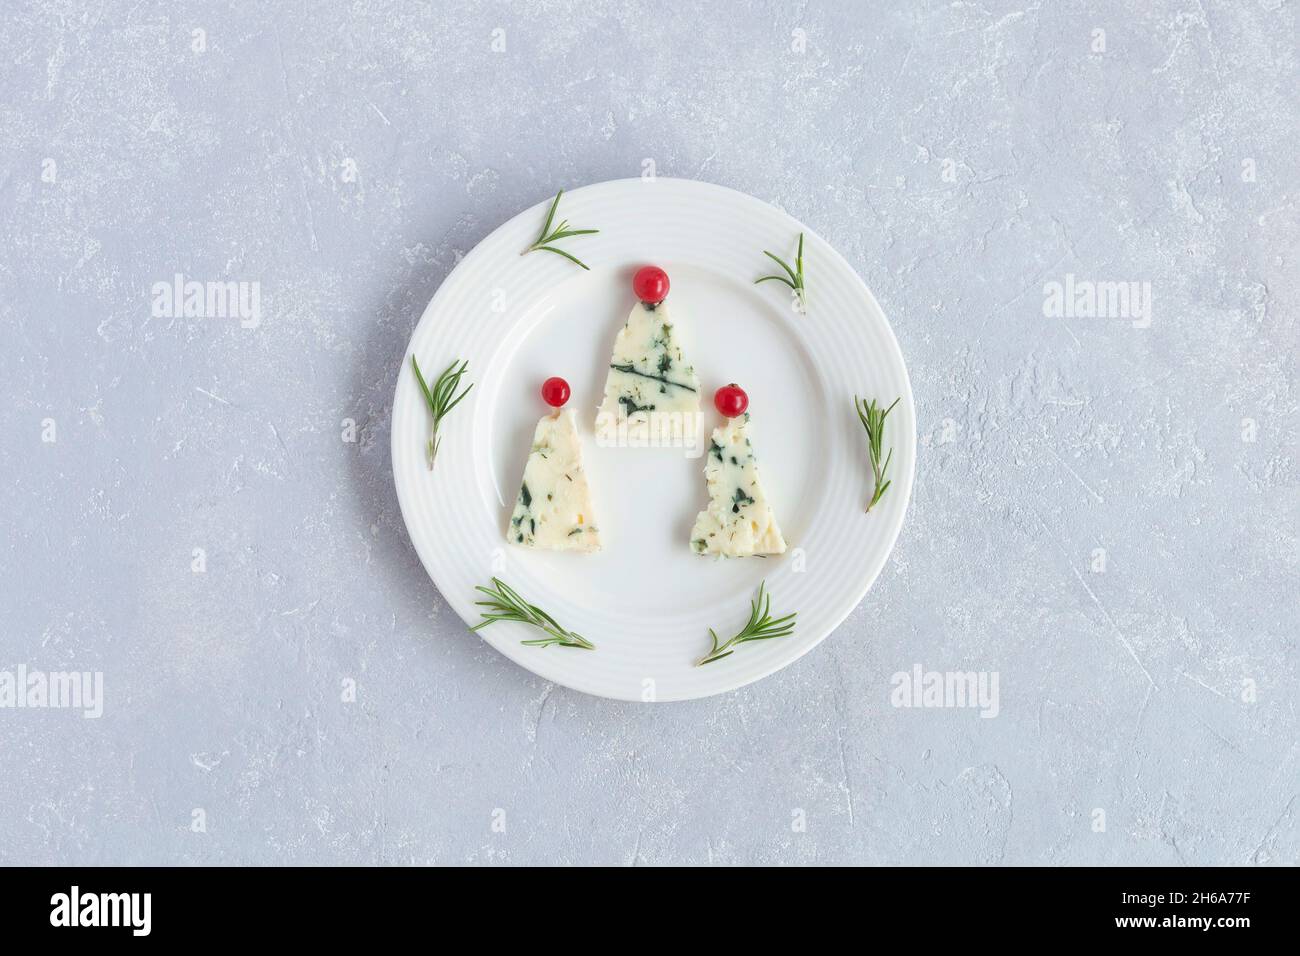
(873, 420)
(505, 604)
(442, 398)
(761, 627)
(562, 231)
(793, 277)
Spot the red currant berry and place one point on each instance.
(650, 284)
(555, 391)
(730, 400)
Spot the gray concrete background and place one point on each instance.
(961, 155)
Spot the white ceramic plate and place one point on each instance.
(647, 601)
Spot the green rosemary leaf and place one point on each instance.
(424, 386)
(873, 421)
(562, 231)
(506, 604)
(456, 401)
(760, 627)
(782, 263)
(551, 214)
(794, 277)
(561, 252)
(441, 399)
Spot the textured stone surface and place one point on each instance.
(961, 155)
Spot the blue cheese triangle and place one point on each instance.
(651, 388)
(739, 520)
(553, 511)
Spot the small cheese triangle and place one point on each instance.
(553, 510)
(650, 385)
(739, 520)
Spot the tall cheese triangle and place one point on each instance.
(739, 520)
(650, 385)
(553, 510)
